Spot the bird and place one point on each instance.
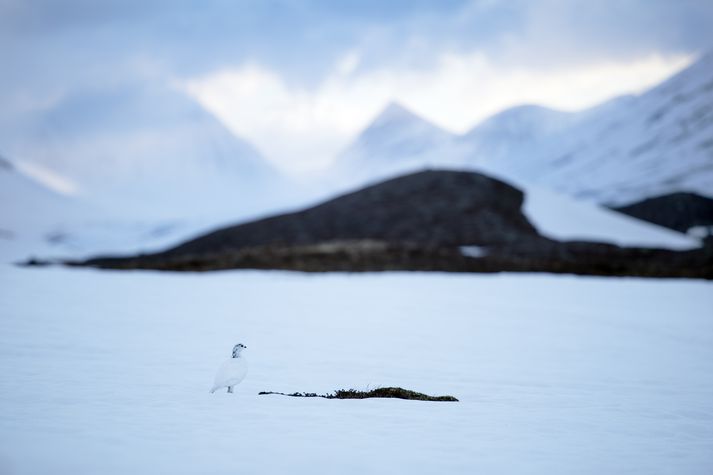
(232, 371)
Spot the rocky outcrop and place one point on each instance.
(679, 211)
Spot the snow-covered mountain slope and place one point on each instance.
(622, 151)
(514, 133)
(143, 144)
(396, 141)
(145, 165)
(559, 217)
(24, 203)
(36, 220)
(29, 212)
(509, 140)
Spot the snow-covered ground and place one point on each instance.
(109, 372)
(560, 217)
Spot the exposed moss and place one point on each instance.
(398, 393)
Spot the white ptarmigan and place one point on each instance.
(232, 371)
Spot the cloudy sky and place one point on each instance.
(299, 78)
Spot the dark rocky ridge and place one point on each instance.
(414, 222)
(679, 211)
(432, 208)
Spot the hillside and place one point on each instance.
(429, 221)
(626, 150)
(507, 139)
(427, 208)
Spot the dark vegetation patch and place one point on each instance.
(581, 258)
(35, 262)
(397, 393)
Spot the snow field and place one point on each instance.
(562, 218)
(109, 372)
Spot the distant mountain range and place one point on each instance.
(625, 150)
(144, 148)
(632, 148)
(149, 152)
(130, 167)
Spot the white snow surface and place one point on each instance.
(473, 251)
(559, 217)
(106, 372)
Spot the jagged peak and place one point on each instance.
(395, 112)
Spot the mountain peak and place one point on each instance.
(395, 112)
(397, 131)
(396, 141)
(395, 120)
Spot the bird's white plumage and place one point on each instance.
(231, 372)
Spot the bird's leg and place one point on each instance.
(230, 389)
